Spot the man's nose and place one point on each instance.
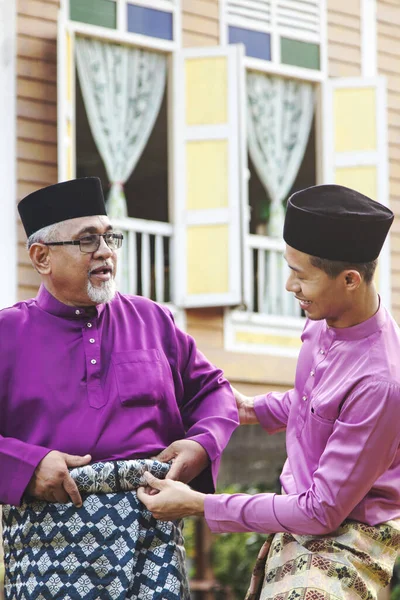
(103, 250)
(292, 285)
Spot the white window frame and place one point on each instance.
(241, 317)
(121, 35)
(274, 66)
(8, 240)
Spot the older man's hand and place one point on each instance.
(51, 480)
(173, 499)
(188, 458)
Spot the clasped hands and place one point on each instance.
(170, 498)
(52, 481)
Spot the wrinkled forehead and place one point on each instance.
(93, 224)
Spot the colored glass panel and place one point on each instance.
(149, 21)
(206, 90)
(300, 54)
(208, 259)
(354, 112)
(257, 43)
(94, 12)
(211, 157)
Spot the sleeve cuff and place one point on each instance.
(228, 513)
(23, 474)
(208, 443)
(262, 411)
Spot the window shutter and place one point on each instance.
(299, 17)
(207, 176)
(256, 14)
(355, 147)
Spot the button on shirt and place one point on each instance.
(342, 436)
(123, 383)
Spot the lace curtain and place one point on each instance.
(280, 113)
(279, 119)
(122, 90)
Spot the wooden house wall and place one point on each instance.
(388, 32)
(344, 38)
(36, 113)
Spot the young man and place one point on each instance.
(92, 376)
(337, 522)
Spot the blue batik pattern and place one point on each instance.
(111, 548)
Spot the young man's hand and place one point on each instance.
(172, 500)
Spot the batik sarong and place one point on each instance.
(353, 563)
(111, 548)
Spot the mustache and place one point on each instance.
(105, 265)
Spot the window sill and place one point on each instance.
(255, 333)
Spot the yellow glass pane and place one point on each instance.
(207, 174)
(355, 119)
(206, 91)
(69, 150)
(69, 59)
(362, 179)
(207, 259)
(266, 339)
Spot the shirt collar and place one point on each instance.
(360, 331)
(50, 304)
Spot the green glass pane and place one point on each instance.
(95, 12)
(300, 54)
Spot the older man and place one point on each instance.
(335, 531)
(94, 383)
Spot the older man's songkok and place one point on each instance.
(66, 200)
(336, 223)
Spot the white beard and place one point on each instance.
(104, 293)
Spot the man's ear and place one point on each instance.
(352, 279)
(40, 258)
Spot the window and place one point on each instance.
(113, 98)
(348, 135)
(232, 136)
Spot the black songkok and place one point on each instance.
(336, 223)
(60, 202)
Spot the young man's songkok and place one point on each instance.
(336, 223)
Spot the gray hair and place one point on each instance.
(44, 235)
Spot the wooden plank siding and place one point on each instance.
(388, 31)
(200, 23)
(344, 38)
(36, 113)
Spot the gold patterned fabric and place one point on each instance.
(353, 563)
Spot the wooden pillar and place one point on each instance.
(204, 572)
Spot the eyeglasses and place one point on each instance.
(91, 243)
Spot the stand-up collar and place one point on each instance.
(360, 331)
(50, 304)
